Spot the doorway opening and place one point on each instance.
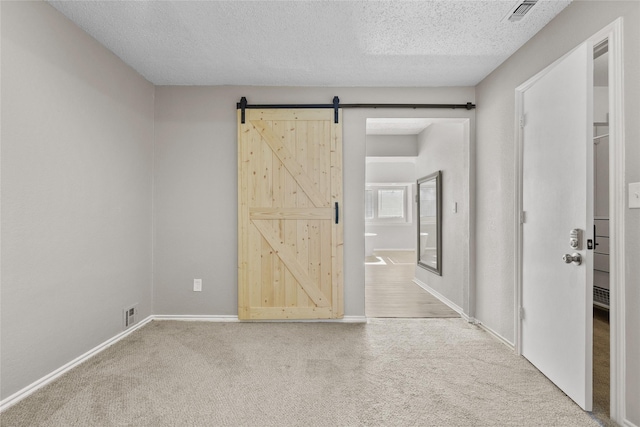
(396, 157)
(601, 278)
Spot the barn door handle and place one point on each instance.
(337, 212)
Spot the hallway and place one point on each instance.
(391, 292)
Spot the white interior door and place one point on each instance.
(557, 196)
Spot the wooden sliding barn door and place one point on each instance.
(290, 232)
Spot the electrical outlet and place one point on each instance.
(197, 285)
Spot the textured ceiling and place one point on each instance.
(310, 43)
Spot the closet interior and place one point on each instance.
(601, 282)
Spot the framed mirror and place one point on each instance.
(430, 222)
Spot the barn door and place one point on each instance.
(289, 223)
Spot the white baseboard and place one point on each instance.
(36, 385)
(459, 310)
(196, 318)
(627, 423)
(462, 314)
(345, 319)
(453, 306)
(468, 319)
(394, 249)
(214, 318)
(497, 336)
(351, 319)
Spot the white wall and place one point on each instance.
(495, 168)
(393, 236)
(444, 147)
(195, 213)
(77, 142)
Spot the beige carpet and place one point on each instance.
(389, 372)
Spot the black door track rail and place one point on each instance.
(243, 105)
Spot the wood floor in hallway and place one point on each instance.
(390, 291)
(601, 367)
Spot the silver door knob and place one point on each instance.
(574, 258)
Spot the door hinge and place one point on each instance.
(521, 121)
(521, 313)
(523, 217)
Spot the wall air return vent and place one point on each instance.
(520, 10)
(130, 316)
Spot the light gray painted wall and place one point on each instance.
(390, 171)
(195, 214)
(77, 143)
(396, 236)
(443, 146)
(495, 168)
(392, 145)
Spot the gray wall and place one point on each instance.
(195, 191)
(392, 145)
(393, 236)
(390, 170)
(444, 146)
(76, 170)
(495, 168)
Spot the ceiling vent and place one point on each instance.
(520, 10)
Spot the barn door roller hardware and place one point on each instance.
(243, 105)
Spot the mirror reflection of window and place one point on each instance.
(429, 226)
(428, 199)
